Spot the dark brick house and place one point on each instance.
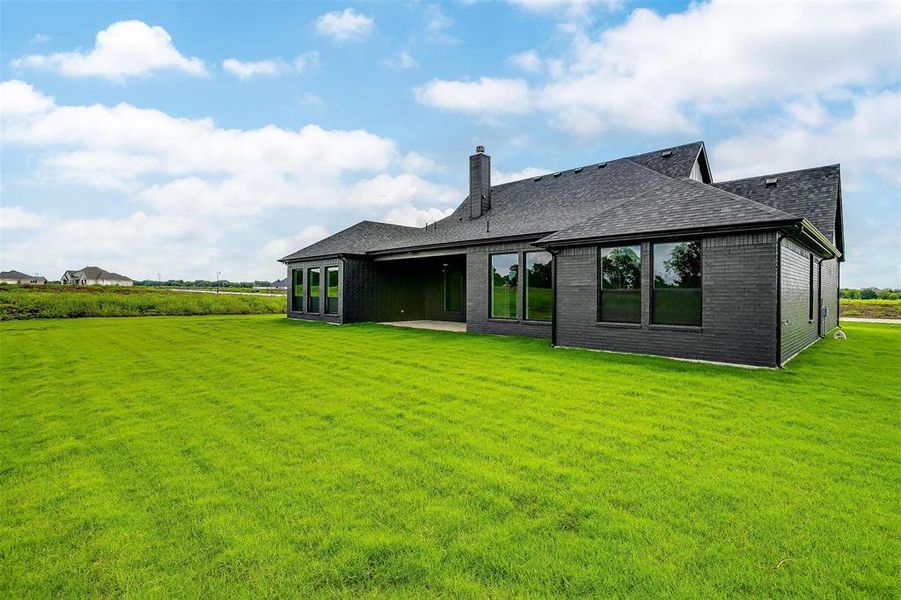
(643, 254)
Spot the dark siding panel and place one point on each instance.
(739, 305)
(798, 331)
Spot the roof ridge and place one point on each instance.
(765, 175)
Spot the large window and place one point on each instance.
(297, 281)
(677, 283)
(504, 284)
(620, 290)
(313, 290)
(453, 289)
(539, 297)
(331, 290)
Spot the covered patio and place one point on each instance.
(423, 290)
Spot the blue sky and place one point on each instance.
(189, 138)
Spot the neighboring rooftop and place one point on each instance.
(98, 273)
(18, 275)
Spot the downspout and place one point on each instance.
(820, 298)
(779, 238)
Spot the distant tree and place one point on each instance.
(868, 293)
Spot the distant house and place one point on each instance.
(19, 278)
(281, 284)
(94, 276)
(643, 254)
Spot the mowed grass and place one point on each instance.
(252, 456)
(58, 301)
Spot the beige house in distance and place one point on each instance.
(18, 278)
(94, 276)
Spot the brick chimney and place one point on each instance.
(479, 183)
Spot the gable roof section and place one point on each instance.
(356, 239)
(677, 161)
(681, 205)
(812, 193)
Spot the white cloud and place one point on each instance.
(866, 140)
(40, 38)
(345, 25)
(270, 67)
(124, 49)
(247, 69)
(418, 163)
(565, 8)
(18, 98)
(483, 97)
(437, 24)
(659, 74)
(310, 99)
(415, 217)
(193, 183)
(281, 247)
(527, 61)
(498, 176)
(16, 217)
(306, 61)
(401, 61)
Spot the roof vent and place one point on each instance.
(480, 149)
(557, 174)
(579, 170)
(538, 178)
(667, 153)
(771, 181)
(602, 165)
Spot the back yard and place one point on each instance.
(253, 456)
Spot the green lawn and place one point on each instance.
(250, 456)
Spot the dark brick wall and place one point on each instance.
(798, 330)
(738, 305)
(320, 316)
(478, 293)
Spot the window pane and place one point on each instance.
(504, 284)
(539, 298)
(453, 290)
(621, 268)
(620, 294)
(297, 302)
(677, 283)
(677, 265)
(677, 307)
(331, 298)
(621, 306)
(313, 289)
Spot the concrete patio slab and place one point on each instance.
(435, 325)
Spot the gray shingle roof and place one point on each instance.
(18, 275)
(356, 239)
(641, 194)
(812, 193)
(98, 273)
(679, 205)
(675, 162)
